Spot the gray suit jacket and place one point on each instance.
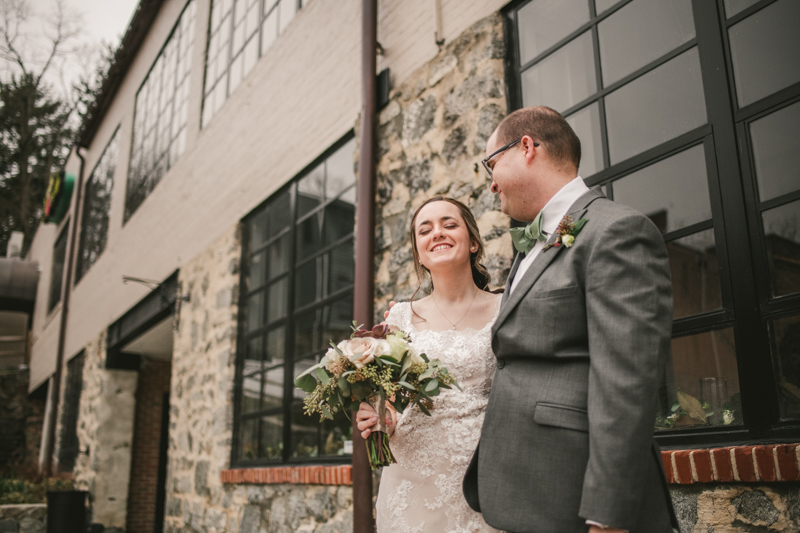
(580, 344)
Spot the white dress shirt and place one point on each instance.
(552, 213)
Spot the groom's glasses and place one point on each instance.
(489, 167)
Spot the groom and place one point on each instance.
(582, 334)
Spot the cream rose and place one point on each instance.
(568, 240)
(362, 351)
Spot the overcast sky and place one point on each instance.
(100, 21)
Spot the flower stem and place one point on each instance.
(378, 450)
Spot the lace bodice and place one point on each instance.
(422, 492)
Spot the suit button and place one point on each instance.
(500, 363)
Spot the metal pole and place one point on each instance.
(363, 304)
(50, 430)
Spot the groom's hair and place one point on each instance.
(545, 126)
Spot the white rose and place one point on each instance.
(568, 240)
(362, 351)
(414, 355)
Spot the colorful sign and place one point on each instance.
(58, 196)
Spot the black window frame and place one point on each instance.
(57, 268)
(289, 402)
(733, 190)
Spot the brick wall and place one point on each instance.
(154, 380)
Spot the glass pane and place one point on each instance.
(305, 432)
(656, 107)
(236, 73)
(279, 256)
(251, 393)
(672, 192)
(257, 272)
(349, 196)
(562, 79)
(784, 336)
(732, 7)
(273, 388)
(276, 345)
(252, 20)
(254, 355)
(782, 233)
(341, 267)
(277, 302)
(776, 152)
(641, 32)
(334, 435)
(337, 318)
(308, 236)
(300, 367)
(586, 124)
(248, 438)
(287, 9)
(601, 6)
(542, 23)
(310, 190)
(279, 213)
(255, 311)
(271, 437)
(306, 336)
(250, 54)
(259, 226)
(339, 173)
(703, 370)
(339, 221)
(695, 274)
(769, 33)
(308, 283)
(269, 31)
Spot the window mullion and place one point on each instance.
(757, 385)
(288, 382)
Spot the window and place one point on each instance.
(57, 270)
(159, 127)
(239, 32)
(297, 294)
(69, 445)
(662, 100)
(96, 204)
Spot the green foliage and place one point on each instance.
(17, 490)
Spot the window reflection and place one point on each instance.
(641, 32)
(672, 192)
(656, 107)
(273, 388)
(271, 446)
(305, 434)
(562, 79)
(782, 234)
(733, 7)
(542, 23)
(769, 33)
(334, 434)
(695, 274)
(251, 393)
(248, 438)
(586, 124)
(775, 152)
(785, 346)
(701, 385)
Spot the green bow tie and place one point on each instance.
(526, 238)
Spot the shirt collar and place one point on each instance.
(555, 209)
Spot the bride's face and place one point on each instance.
(442, 237)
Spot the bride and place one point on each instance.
(421, 493)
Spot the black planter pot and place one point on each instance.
(66, 511)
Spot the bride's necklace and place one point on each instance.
(454, 324)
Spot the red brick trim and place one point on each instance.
(771, 462)
(298, 475)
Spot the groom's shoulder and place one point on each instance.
(605, 212)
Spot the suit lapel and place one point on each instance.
(517, 260)
(542, 261)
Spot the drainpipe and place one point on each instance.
(55, 393)
(363, 304)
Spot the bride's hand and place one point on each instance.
(367, 419)
(386, 313)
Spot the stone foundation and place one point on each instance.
(23, 518)
(21, 419)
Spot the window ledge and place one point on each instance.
(767, 463)
(299, 475)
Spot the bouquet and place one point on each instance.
(374, 366)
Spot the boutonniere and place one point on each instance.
(566, 232)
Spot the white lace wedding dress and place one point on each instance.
(422, 492)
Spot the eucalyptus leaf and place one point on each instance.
(306, 382)
(326, 412)
(406, 385)
(323, 376)
(406, 363)
(389, 360)
(344, 386)
(422, 408)
(427, 374)
(432, 385)
(692, 406)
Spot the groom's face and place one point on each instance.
(509, 178)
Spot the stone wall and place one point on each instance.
(105, 434)
(31, 518)
(432, 137)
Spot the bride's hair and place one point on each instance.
(480, 275)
